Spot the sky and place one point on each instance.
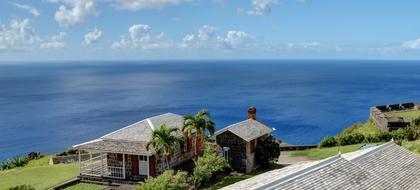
(51, 30)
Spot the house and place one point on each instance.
(239, 141)
(122, 154)
(387, 166)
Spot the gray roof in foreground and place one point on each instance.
(133, 138)
(387, 166)
(248, 130)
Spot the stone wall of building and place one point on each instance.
(238, 150)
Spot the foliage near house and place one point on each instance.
(267, 150)
(208, 165)
(168, 180)
(165, 139)
(201, 122)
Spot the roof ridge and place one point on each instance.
(302, 172)
(373, 151)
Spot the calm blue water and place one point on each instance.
(48, 107)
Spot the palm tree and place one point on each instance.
(201, 122)
(165, 139)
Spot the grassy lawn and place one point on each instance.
(86, 186)
(225, 180)
(38, 174)
(409, 114)
(321, 153)
(413, 146)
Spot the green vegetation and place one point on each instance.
(267, 151)
(208, 165)
(168, 180)
(413, 146)
(86, 186)
(201, 122)
(22, 187)
(321, 153)
(38, 174)
(165, 139)
(225, 180)
(369, 133)
(410, 115)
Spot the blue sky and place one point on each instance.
(208, 29)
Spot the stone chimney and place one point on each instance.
(252, 113)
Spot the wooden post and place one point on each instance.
(124, 166)
(80, 162)
(102, 164)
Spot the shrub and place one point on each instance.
(350, 129)
(208, 165)
(22, 187)
(20, 161)
(328, 142)
(266, 151)
(168, 180)
(372, 139)
(354, 138)
(8, 164)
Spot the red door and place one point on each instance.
(134, 165)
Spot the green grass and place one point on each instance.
(86, 186)
(410, 115)
(413, 146)
(38, 174)
(322, 153)
(225, 180)
(368, 128)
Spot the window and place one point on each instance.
(185, 145)
(226, 153)
(142, 158)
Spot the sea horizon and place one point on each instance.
(51, 107)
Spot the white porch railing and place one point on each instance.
(115, 172)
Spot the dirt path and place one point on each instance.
(286, 158)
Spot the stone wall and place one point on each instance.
(238, 150)
(384, 118)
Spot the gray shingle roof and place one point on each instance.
(115, 146)
(248, 130)
(394, 164)
(387, 166)
(133, 138)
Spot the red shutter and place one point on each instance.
(152, 165)
(189, 144)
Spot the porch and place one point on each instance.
(117, 166)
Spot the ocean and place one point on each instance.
(48, 107)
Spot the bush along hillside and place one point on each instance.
(369, 133)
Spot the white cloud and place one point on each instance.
(414, 44)
(145, 4)
(28, 8)
(259, 7)
(140, 37)
(207, 38)
(92, 37)
(56, 42)
(74, 12)
(18, 36)
(236, 39)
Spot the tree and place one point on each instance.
(201, 122)
(166, 140)
(168, 181)
(208, 165)
(267, 150)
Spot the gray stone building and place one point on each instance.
(239, 141)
